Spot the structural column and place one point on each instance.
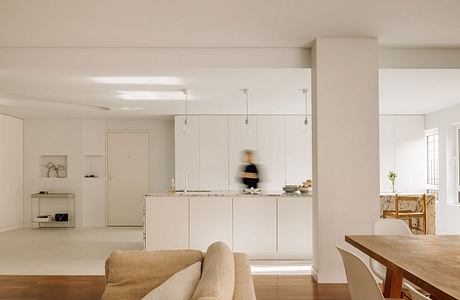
(345, 148)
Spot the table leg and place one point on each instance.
(393, 284)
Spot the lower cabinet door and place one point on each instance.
(166, 223)
(295, 234)
(254, 226)
(210, 221)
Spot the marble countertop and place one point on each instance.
(229, 194)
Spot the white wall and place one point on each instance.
(53, 137)
(447, 211)
(82, 138)
(211, 150)
(11, 172)
(402, 150)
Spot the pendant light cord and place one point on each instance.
(186, 107)
(247, 108)
(306, 106)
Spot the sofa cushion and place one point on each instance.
(179, 287)
(218, 274)
(132, 274)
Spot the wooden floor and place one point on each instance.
(91, 288)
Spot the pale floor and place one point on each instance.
(54, 251)
(83, 251)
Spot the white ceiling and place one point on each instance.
(219, 23)
(418, 91)
(67, 93)
(54, 93)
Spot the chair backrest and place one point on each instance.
(410, 198)
(361, 283)
(416, 295)
(391, 227)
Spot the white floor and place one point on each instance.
(52, 251)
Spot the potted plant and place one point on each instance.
(392, 176)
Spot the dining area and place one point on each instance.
(409, 266)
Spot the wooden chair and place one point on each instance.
(399, 213)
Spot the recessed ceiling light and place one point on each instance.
(156, 80)
(151, 95)
(131, 108)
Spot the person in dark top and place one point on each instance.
(250, 174)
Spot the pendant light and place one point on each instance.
(186, 93)
(246, 93)
(306, 92)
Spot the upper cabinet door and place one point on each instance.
(271, 152)
(298, 150)
(187, 149)
(242, 137)
(213, 152)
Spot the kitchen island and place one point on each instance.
(265, 226)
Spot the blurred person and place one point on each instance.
(250, 174)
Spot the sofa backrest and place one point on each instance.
(131, 275)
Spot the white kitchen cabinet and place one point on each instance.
(213, 148)
(298, 150)
(241, 137)
(210, 221)
(187, 148)
(254, 225)
(295, 233)
(271, 150)
(166, 223)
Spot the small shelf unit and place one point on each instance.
(37, 209)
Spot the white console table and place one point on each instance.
(70, 209)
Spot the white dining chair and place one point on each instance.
(387, 227)
(361, 282)
(416, 295)
(390, 227)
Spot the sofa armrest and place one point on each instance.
(130, 275)
(244, 286)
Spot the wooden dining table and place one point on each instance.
(432, 262)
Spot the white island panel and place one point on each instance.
(210, 221)
(166, 223)
(254, 225)
(295, 233)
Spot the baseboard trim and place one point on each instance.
(11, 227)
(328, 276)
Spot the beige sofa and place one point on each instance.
(130, 275)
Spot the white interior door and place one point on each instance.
(128, 167)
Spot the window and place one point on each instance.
(432, 162)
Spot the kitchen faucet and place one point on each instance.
(187, 181)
